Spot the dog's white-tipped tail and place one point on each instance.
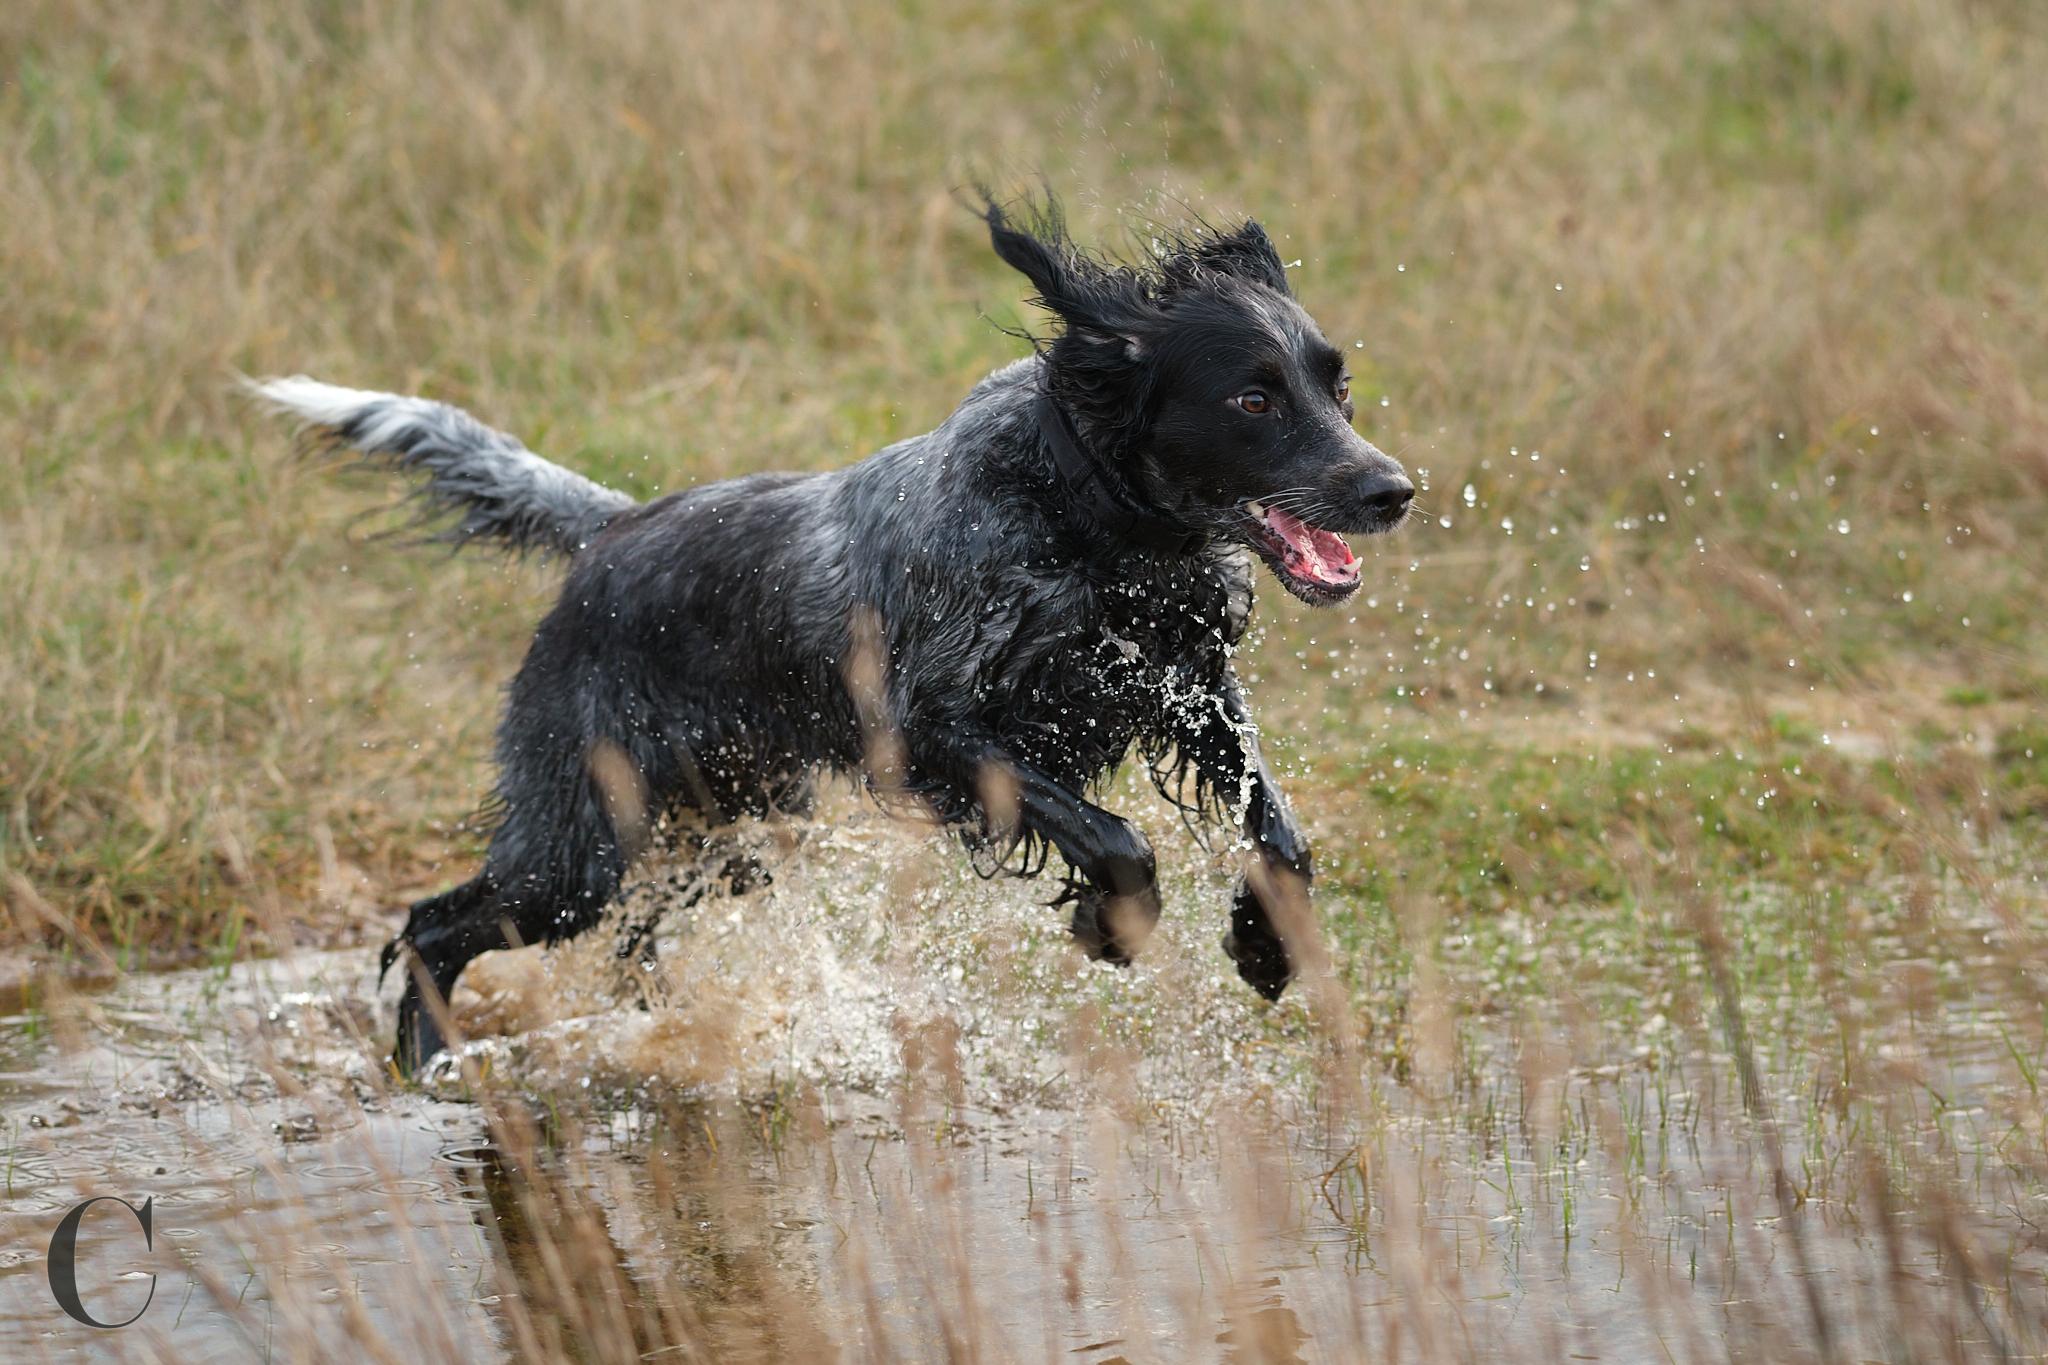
(493, 485)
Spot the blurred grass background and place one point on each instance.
(1714, 332)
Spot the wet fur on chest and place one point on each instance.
(1074, 669)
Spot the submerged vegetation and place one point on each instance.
(1679, 778)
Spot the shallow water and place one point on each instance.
(238, 1103)
(880, 1107)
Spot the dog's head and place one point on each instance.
(1201, 380)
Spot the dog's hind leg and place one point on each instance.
(442, 933)
(550, 871)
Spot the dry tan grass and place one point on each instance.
(1739, 275)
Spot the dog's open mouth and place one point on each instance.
(1316, 565)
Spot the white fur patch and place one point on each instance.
(331, 405)
(522, 497)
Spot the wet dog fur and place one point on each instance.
(1013, 632)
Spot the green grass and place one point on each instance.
(1487, 829)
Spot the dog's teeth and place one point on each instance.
(1255, 508)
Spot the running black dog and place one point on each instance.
(1001, 608)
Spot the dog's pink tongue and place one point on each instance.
(1323, 553)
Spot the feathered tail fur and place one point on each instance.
(493, 486)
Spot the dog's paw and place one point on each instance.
(1112, 928)
(1260, 956)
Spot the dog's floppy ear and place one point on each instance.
(1247, 253)
(1088, 296)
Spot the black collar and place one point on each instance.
(1098, 499)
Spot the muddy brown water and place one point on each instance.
(879, 1111)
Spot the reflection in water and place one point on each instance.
(901, 1256)
(1271, 1333)
(585, 1326)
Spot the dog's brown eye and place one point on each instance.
(1344, 391)
(1253, 401)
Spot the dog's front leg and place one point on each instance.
(1218, 736)
(1116, 894)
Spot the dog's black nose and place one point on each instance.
(1386, 495)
